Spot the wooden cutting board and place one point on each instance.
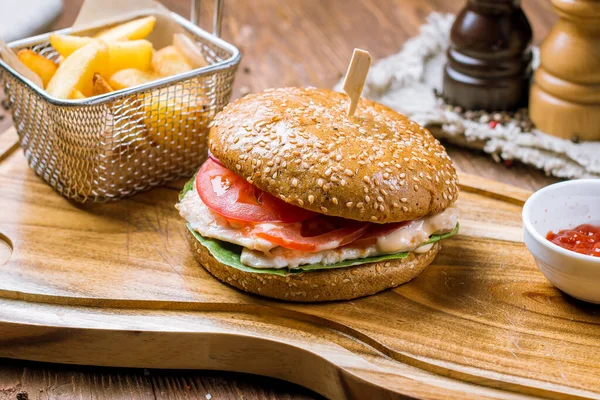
(116, 285)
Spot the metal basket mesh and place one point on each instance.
(99, 152)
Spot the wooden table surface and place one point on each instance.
(284, 43)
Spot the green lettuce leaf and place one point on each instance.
(189, 185)
(229, 254)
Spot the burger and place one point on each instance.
(297, 201)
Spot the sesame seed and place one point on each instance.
(349, 204)
(373, 218)
(294, 182)
(381, 208)
(405, 209)
(377, 268)
(320, 182)
(324, 209)
(334, 201)
(300, 202)
(360, 204)
(402, 175)
(380, 199)
(387, 264)
(416, 187)
(395, 205)
(343, 182)
(367, 199)
(238, 166)
(348, 172)
(404, 199)
(415, 179)
(311, 198)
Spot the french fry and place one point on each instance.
(189, 50)
(177, 115)
(39, 64)
(76, 94)
(67, 44)
(76, 71)
(130, 77)
(169, 61)
(132, 30)
(124, 54)
(100, 86)
(130, 54)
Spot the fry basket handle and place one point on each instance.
(217, 18)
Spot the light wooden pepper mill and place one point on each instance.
(565, 96)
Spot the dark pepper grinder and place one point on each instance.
(489, 57)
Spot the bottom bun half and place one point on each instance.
(326, 285)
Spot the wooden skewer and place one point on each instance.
(355, 77)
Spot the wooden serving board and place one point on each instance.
(116, 285)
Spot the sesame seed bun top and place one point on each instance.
(299, 145)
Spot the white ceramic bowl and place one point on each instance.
(560, 206)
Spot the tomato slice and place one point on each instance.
(231, 196)
(316, 234)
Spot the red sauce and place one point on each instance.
(584, 239)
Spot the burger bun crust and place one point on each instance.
(299, 145)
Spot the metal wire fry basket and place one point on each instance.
(120, 143)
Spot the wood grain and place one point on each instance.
(273, 36)
(116, 285)
(40, 381)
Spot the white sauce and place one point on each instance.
(418, 231)
(260, 253)
(212, 225)
(281, 257)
